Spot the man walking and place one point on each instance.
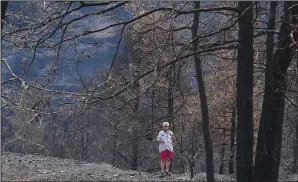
(165, 139)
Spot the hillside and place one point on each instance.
(16, 166)
(36, 167)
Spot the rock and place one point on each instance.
(90, 174)
(62, 171)
(116, 175)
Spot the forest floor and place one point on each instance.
(20, 167)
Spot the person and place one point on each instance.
(165, 138)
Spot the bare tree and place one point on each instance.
(268, 150)
(244, 93)
(203, 98)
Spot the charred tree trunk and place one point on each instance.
(4, 5)
(171, 77)
(114, 148)
(136, 124)
(232, 147)
(203, 98)
(170, 94)
(295, 157)
(136, 133)
(181, 159)
(82, 146)
(135, 154)
(192, 166)
(222, 153)
(270, 34)
(193, 151)
(271, 123)
(244, 99)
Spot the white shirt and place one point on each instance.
(167, 139)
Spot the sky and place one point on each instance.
(89, 60)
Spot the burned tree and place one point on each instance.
(269, 140)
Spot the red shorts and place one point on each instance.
(166, 154)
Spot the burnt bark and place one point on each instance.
(4, 5)
(135, 154)
(115, 146)
(203, 98)
(244, 99)
(270, 34)
(136, 120)
(222, 153)
(136, 130)
(170, 94)
(232, 141)
(295, 156)
(84, 145)
(171, 77)
(192, 166)
(269, 140)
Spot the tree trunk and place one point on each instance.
(244, 99)
(82, 146)
(222, 153)
(193, 151)
(232, 147)
(181, 159)
(115, 147)
(135, 154)
(203, 98)
(192, 166)
(136, 124)
(295, 157)
(170, 94)
(171, 100)
(4, 5)
(135, 139)
(270, 34)
(271, 123)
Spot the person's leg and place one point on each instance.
(162, 165)
(162, 161)
(168, 161)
